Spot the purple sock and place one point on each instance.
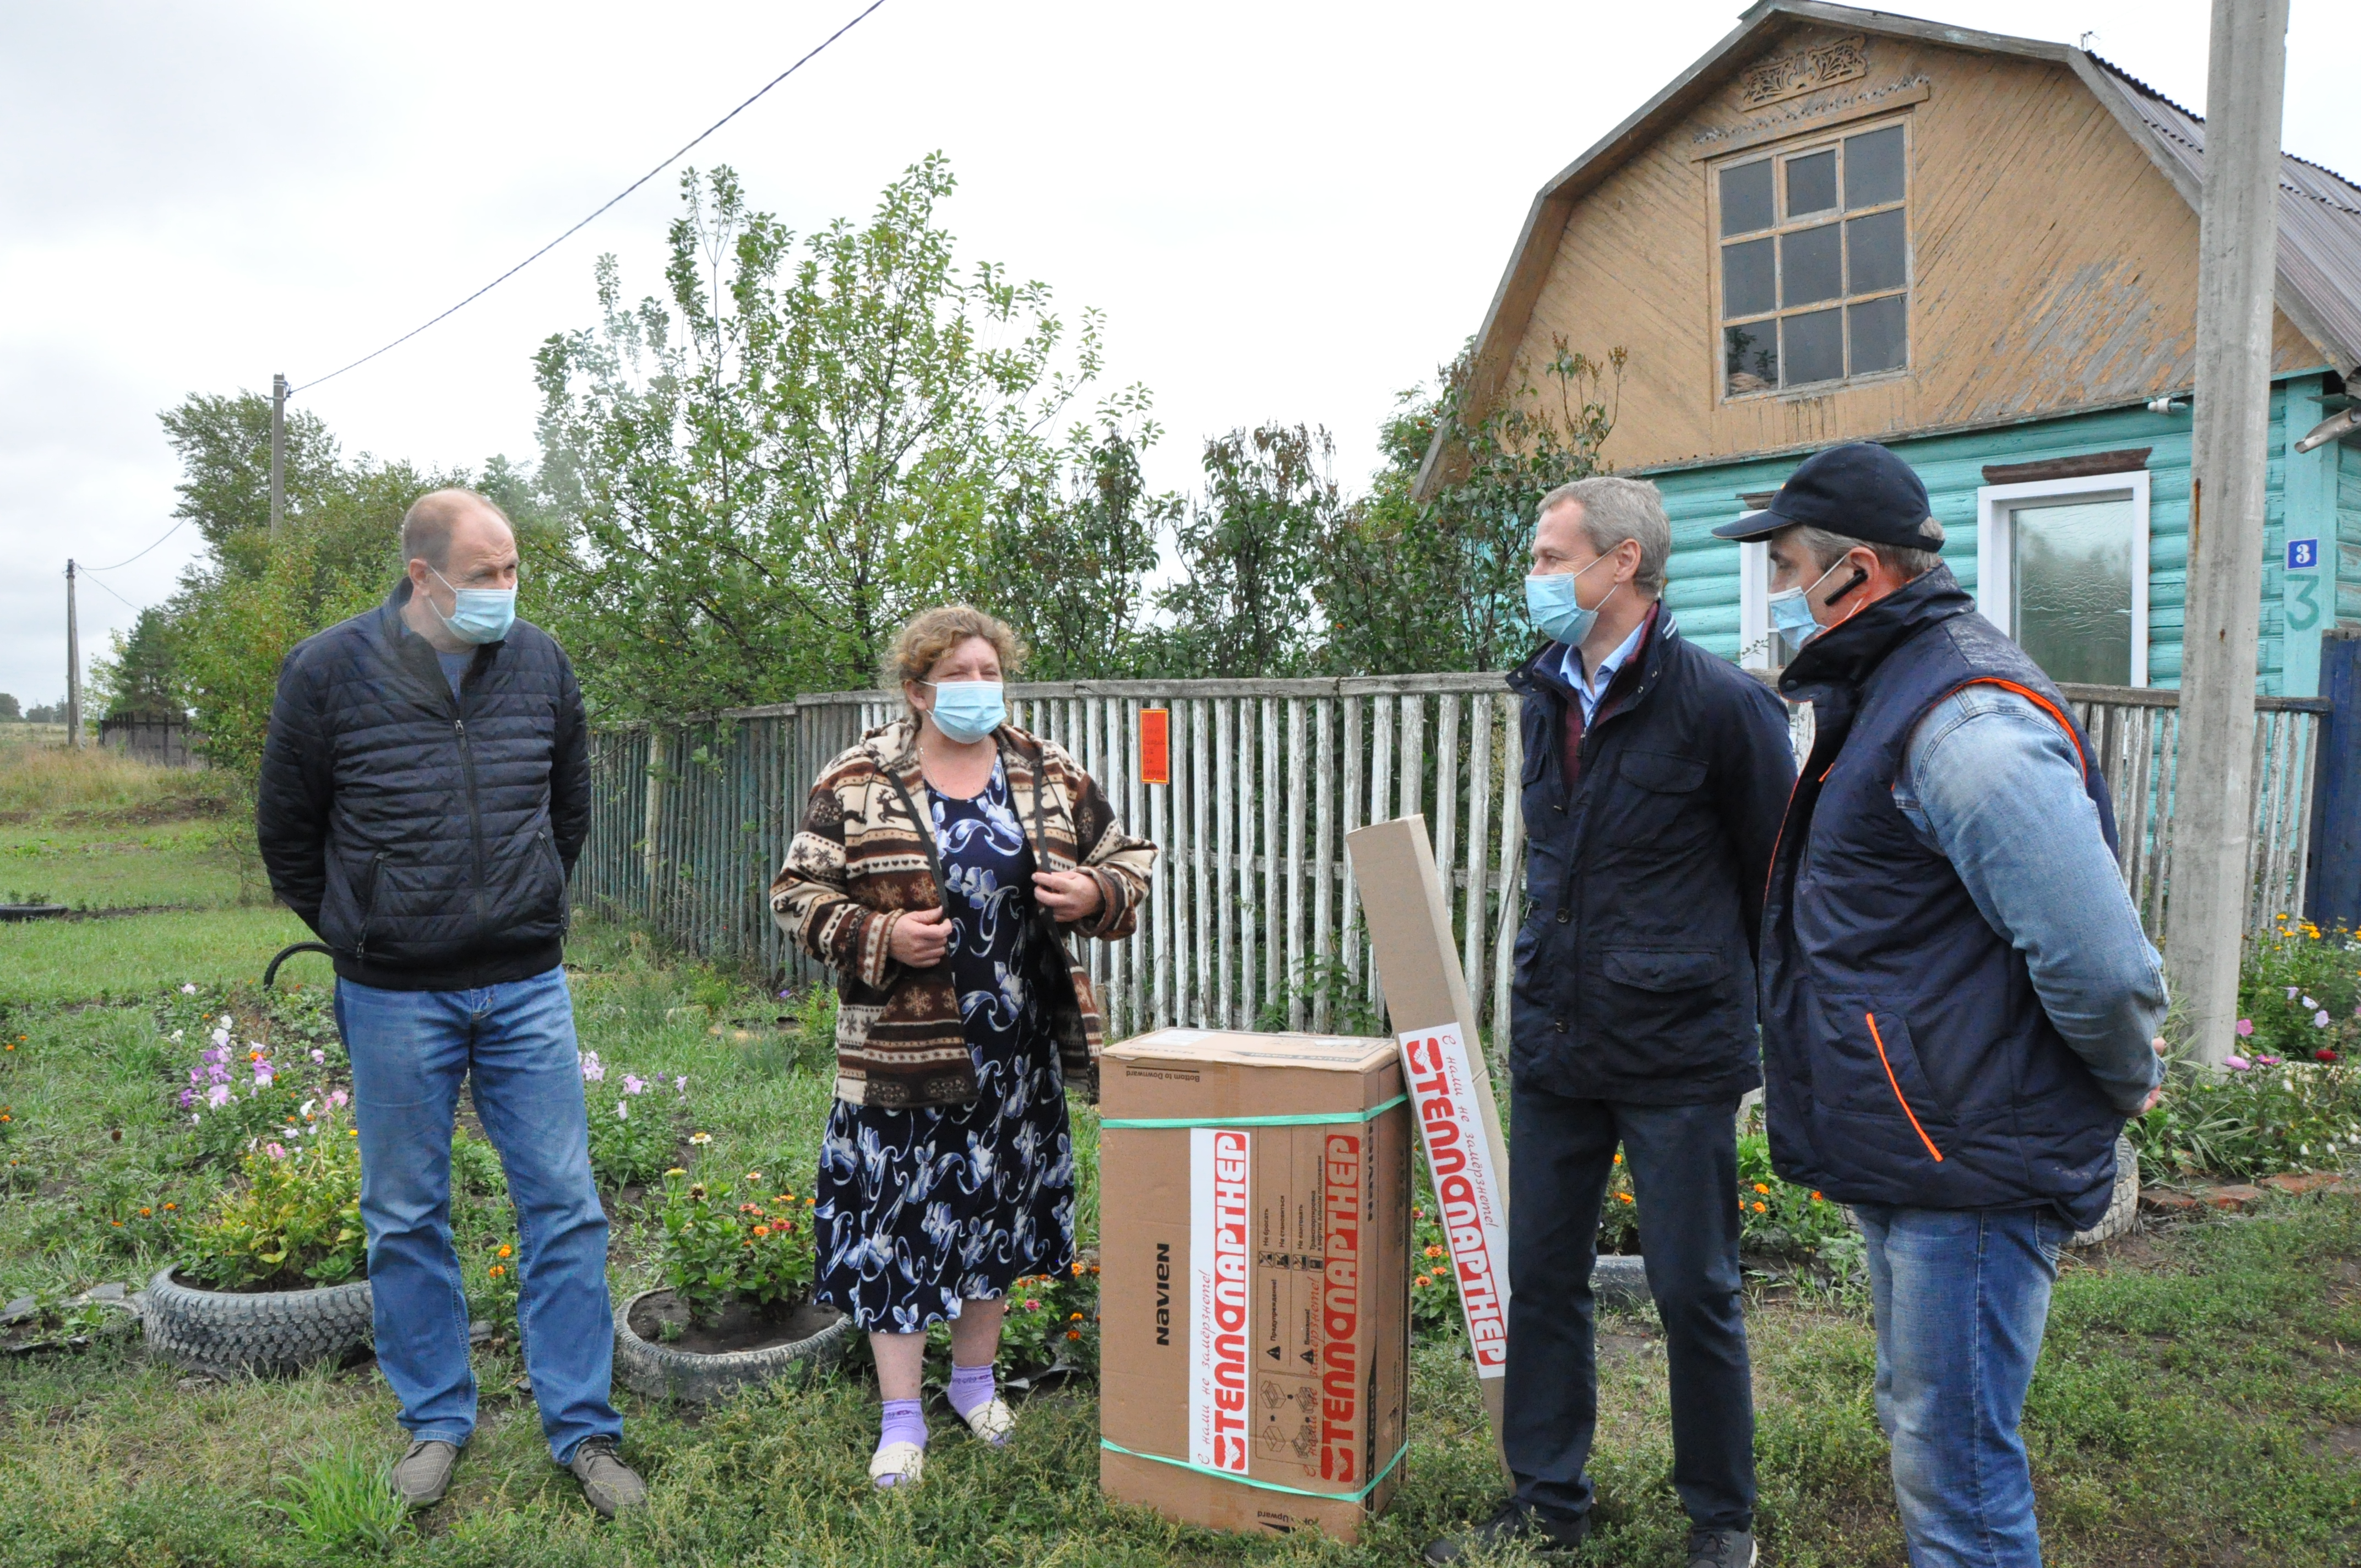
(971, 1389)
(905, 1422)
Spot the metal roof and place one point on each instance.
(2320, 219)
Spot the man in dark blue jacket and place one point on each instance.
(425, 788)
(1959, 1004)
(1654, 773)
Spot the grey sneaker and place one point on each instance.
(423, 1474)
(608, 1484)
(1722, 1549)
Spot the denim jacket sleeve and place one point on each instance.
(1993, 783)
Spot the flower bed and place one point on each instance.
(635, 1123)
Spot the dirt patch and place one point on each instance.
(2342, 1441)
(150, 814)
(737, 1328)
(1615, 1348)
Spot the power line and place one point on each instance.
(126, 603)
(626, 191)
(129, 559)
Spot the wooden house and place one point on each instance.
(1847, 224)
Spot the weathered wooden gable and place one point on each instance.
(2052, 266)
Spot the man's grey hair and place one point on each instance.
(426, 526)
(1825, 548)
(1615, 510)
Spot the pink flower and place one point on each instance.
(2292, 991)
(274, 1151)
(633, 1083)
(337, 1096)
(622, 1110)
(2237, 1064)
(2246, 1028)
(2268, 1061)
(2320, 1019)
(217, 1096)
(320, 1057)
(262, 1075)
(593, 1069)
(188, 991)
(681, 1083)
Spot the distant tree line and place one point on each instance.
(746, 483)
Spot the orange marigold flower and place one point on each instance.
(1760, 1188)
(169, 1207)
(762, 1230)
(1619, 1160)
(1075, 1319)
(506, 1250)
(1419, 1282)
(1760, 1207)
(145, 1212)
(496, 1271)
(1073, 1333)
(1434, 1252)
(1623, 1198)
(1816, 1198)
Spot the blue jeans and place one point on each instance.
(1961, 1296)
(409, 1050)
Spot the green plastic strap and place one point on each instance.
(1375, 1482)
(1371, 1115)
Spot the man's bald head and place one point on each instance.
(437, 516)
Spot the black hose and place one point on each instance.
(271, 974)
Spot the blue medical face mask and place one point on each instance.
(1550, 600)
(479, 615)
(1791, 609)
(967, 711)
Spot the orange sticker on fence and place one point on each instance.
(1156, 745)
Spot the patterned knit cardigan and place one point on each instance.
(862, 859)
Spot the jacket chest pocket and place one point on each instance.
(1661, 772)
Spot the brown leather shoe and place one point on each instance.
(608, 1484)
(423, 1474)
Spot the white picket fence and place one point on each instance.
(1252, 919)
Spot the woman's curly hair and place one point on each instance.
(921, 643)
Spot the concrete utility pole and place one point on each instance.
(2237, 252)
(280, 450)
(73, 663)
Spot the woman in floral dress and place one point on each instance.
(942, 866)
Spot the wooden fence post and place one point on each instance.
(2332, 890)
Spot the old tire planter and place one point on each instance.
(2122, 1207)
(658, 1371)
(227, 1333)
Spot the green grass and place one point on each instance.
(2197, 1400)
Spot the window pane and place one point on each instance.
(1881, 334)
(1749, 280)
(1807, 266)
(1875, 253)
(1872, 174)
(1814, 346)
(2073, 588)
(1746, 198)
(1749, 357)
(1812, 184)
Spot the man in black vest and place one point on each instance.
(1958, 1003)
(1653, 777)
(425, 788)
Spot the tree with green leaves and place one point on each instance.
(1436, 581)
(138, 677)
(1252, 551)
(801, 445)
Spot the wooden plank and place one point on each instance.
(1252, 939)
(1352, 941)
(1297, 788)
(1274, 982)
(1413, 754)
(1201, 913)
(1480, 833)
(1512, 826)
(1446, 789)
(1381, 779)
(1323, 855)
(1226, 814)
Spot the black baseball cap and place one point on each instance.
(1860, 490)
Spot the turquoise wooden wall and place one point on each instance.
(2325, 498)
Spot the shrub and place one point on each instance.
(634, 1127)
(2261, 1117)
(2299, 994)
(294, 1221)
(1050, 1315)
(720, 1247)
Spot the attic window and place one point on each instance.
(1815, 262)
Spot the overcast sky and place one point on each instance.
(1287, 212)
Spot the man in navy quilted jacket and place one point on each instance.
(425, 788)
(1959, 1004)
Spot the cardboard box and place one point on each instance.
(1426, 994)
(1254, 1199)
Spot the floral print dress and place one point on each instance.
(921, 1210)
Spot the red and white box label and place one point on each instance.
(1218, 1165)
(1465, 1166)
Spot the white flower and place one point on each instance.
(622, 1110)
(2308, 1002)
(187, 990)
(178, 1032)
